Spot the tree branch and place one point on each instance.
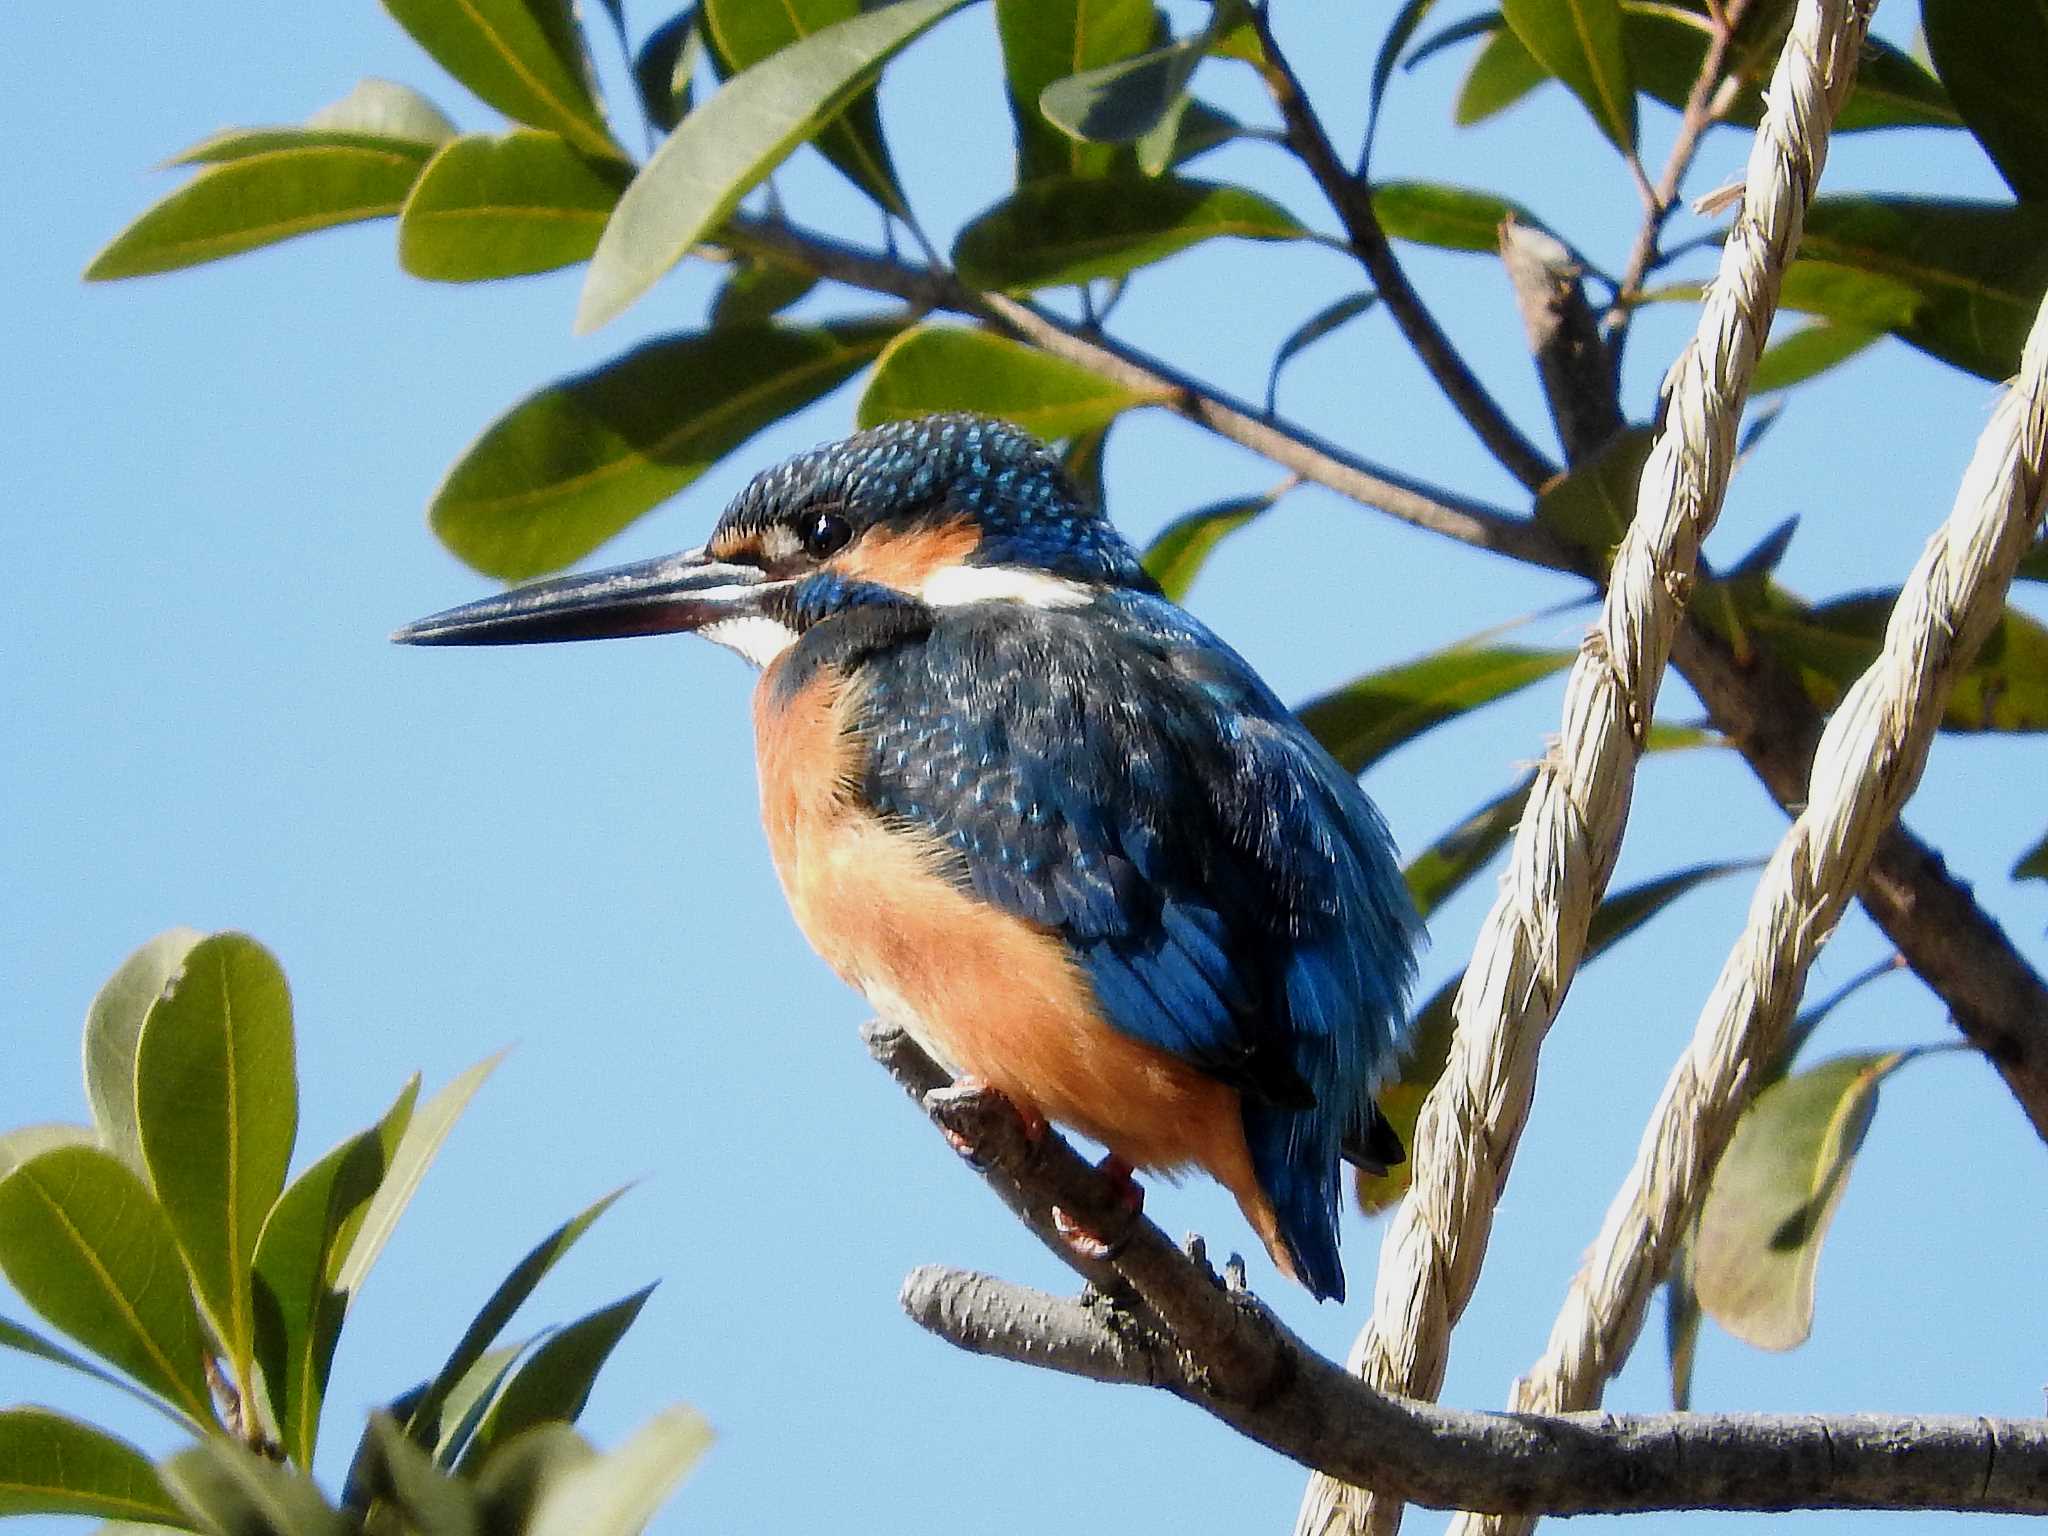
(1214, 1345)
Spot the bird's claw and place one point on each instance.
(962, 1111)
(1090, 1243)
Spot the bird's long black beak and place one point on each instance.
(654, 597)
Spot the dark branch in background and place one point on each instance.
(1351, 199)
(1164, 1319)
(1564, 338)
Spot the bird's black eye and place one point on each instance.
(824, 534)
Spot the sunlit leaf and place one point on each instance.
(569, 467)
(54, 1465)
(723, 149)
(950, 368)
(554, 1381)
(1501, 74)
(85, 1244)
(1581, 43)
(618, 1494)
(370, 116)
(299, 1310)
(1366, 719)
(1591, 506)
(1048, 40)
(229, 1490)
(1068, 230)
(745, 32)
(468, 1402)
(1807, 352)
(1441, 869)
(490, 206)
(1453, 218)
(1331, 317)
(1991, 54)
(513, 1478)
(524, 57)
(1774, 1193)
(1176, 555)
(113, 1025)
(393, 1475)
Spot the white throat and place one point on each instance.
(958, 584)
(755, 636)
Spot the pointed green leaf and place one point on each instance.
(1450, 35)
(1192, 128)
(1071, 229)
(1813, 1015)
(1428, 1048)
(423, 1422)
(27, 1341)
(1048, 40)
(1176, 556)
(1591, 506)
(1083, 457)
(568, 468)
(1681, 1326)
(723, 149)
(1992, 55)
(410, 1159)
(1331, 317)
(524, 57)
(1805, 353)
(1580, 42)
(1774, 1193)
(1502, 73)
(513, 1478)
(745, 32)
(1441, 870)
(1366, 719)
(501, 206)
(260, 199)
(665, 68)
(758, 291)
(948, 368)
(469, 1401)
(229, 1490)
(299, 1311)
(216, 1096)
(1895, 90)
(1120, 103)
(392, 1475)
(618, 1494)
(554, 1382)
(2033, 864)
(1406, 21)
(54, 1465)
(368, 117)
(1452, 218)
(1968, 276)
(113, 1025)
(85, 1244)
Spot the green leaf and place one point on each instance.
(229, 1490)
(1331, 317)
(1681, 1326)
(524, 57)
(2033, 864)
(1428, 1049)
(24, 1142)
(1365, 720)
(1775, 1192)
(569, 467)
(1894, 90)
(469, 1401)
(27, 1341)
(665, 68)
(1083, 457)
(1176, 555)
(502, 206)
(261, 199)
(2034, 565)
(1992, 55)
(1070, 229)
(216, 1096)
(1440, 870)
(53, 1465)
(745, 32)
(1580, 42)
(949, 368)
(299, 1311)
(554, 1382)
(514, 1477)
(1047, 40)
(1122, 102)
(1453, 218)
(618, 1494)
(1590, 507)
(391, 1474)
(723, 149)
(1406, 21)
(1807, 352)
(113, 1025)
(368, 117)
(1502, 73)
(758, 291)
(1970, 275)
(414, 1154)
(423, 1422)
(1192, 128)
(84, 1242)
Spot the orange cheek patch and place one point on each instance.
(904, 559)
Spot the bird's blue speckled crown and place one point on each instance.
(940, 469)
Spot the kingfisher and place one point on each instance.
(1039, 815)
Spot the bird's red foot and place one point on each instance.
(1090, 1243)
(964, 1111)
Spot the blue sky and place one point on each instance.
(213, 516)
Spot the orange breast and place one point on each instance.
(989, 994)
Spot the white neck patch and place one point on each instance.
(755, 636)
(958, 584)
